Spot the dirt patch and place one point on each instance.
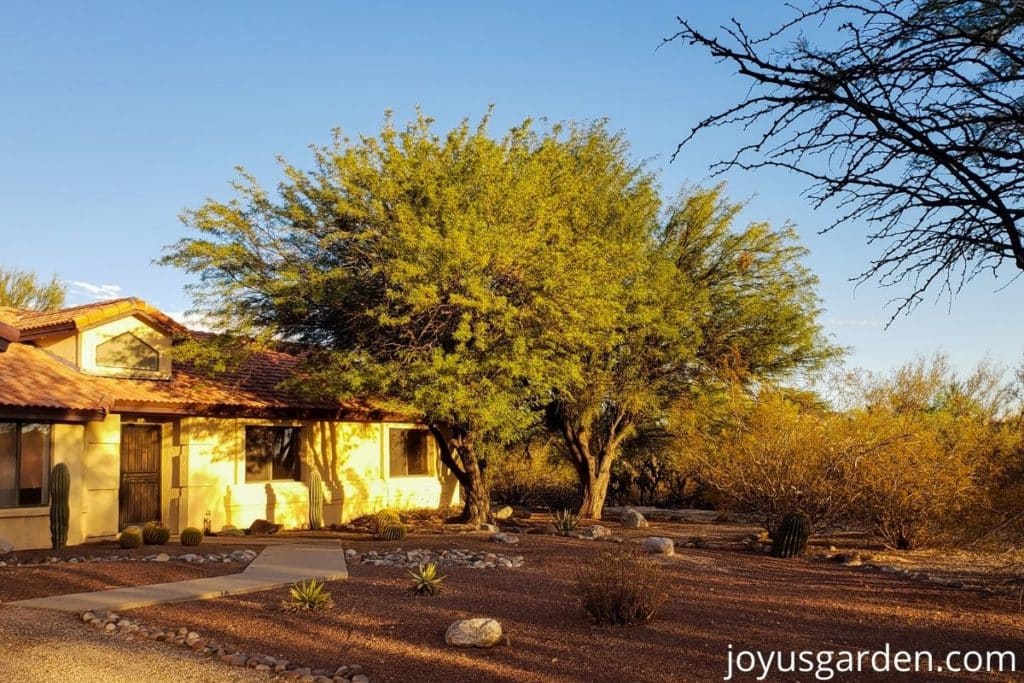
(717, 598)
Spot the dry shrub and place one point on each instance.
(622, 588)
(532, 474)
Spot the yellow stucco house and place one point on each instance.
(96, 387)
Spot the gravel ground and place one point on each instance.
(38, 646)
(717, 598)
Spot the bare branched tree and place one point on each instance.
(910, 120)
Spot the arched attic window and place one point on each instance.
(127, 352)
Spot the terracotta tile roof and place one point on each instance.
(33, 378)
(34, 323)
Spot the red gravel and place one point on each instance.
(37, 581)
(717, 598)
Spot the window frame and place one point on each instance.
(124, 366)
(428, 457)
(270, 479)
(47, 464)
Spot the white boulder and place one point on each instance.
(479, 632)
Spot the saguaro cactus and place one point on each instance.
(791, 538)
(316, 501)
(60, 510)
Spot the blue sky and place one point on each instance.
(116, 116)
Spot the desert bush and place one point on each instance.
(426, 580)
(622, 588)
(532, 474)
(307, 596)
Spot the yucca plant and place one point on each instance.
(426, 580)
(308, 596)
(565, 522)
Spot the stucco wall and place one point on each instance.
(89, 339)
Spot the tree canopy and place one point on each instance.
(23, 289)
(908, 117)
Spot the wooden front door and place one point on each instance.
(140, 474)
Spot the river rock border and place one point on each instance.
(410, 559)
(113, 624)
(243, 555)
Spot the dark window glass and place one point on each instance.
(409, 451)
(271, 453)
(127, 352)
(24, 464)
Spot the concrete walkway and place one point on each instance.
(276, 566)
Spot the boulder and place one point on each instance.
(632, 519)
(503, 513)
(511, 539)
(491, 528)
(479, 632)
(594, 531)
(658, 545)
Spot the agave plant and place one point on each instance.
(565, 522)
(425, 580)
(308, 595)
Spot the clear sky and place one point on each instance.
(115, 116)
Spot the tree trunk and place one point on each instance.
(595, 489)
(457, 454)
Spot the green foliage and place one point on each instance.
(791, 538)
(316, 501)
(395, 531)
(426, 580)
(623, 588)
(191, 536)
(60, 511)
(130, 538)
(22, 289)
(565, 522)
(308, 596)
(155, 533)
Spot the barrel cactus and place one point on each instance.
(191, 536)
(156, 533)
(130, 538)
(394, 532)
(60, 510)
(791, 538)
(316, 501)
(384, 519)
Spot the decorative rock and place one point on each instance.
(492, 528)
(511, 539)
(657, 545)
(162, 557)
(594, 531)
(479, 632)
(503, 513)
(631, 519)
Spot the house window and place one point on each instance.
(127, 352)
(409, 449)
(24, 463)
(272, 453)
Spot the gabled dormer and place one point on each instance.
(120, 338)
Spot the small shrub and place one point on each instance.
(156, 533)
(130, 538)
(191, 536)
(426, 580)
(565, 522)
(622, 588)
(308, 596)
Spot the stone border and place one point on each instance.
(410, 559)
(113, 624)
(242, 555)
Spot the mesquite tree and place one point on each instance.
(442, 273)
(909, 118)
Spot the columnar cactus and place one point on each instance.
(792, 536)
(60, 510)
(191, 536)
(316, 501)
